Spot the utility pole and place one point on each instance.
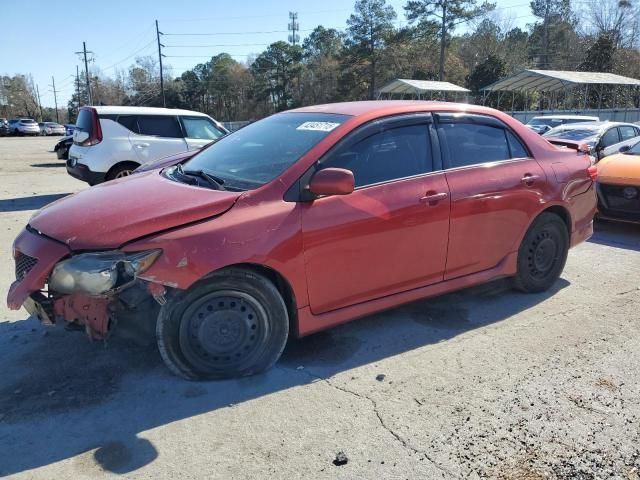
(78, 86)
(39, 104)
(158, 33)
(55, 97)
(86, 70)
(293, 27)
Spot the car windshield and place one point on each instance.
(542, 121)
(261, 151)
(27, 120)
(574, 133)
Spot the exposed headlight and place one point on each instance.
(99, 273)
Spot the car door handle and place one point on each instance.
(529, 179)
(433, 198)
(141, 145)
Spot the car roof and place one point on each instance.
(118, 110)
(562, 117)
(382, 107)
(602, 123)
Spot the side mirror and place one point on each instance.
(332, 181)
(624, 148)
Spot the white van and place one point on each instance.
(111, 142)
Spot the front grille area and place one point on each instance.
(616, 200)
(24, 264)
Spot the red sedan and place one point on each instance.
(302, 221)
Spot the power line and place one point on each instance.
(86, 69)
(158, 33)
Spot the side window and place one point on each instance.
(472, 143)
(201, 128)
(159, 126)
(130, 122)
(627, 132)
(516, 147)
(388, 155)
(610, 137)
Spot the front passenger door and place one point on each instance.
(390, 235)
(159, 136)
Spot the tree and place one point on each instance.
(368, 30)
(485, 73)
(321, 50)
(548, 34)
(620, 19)
(274, 71)
(447, 14)
(600, 55)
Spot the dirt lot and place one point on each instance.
(481, 383)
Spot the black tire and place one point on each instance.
(232, 324)
(542, 254)
(121, 170)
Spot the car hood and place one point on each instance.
(108, 215)
(620, 169)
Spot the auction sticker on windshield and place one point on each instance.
(318, 126)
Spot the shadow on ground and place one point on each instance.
(618, 235)
(49, 165)
(62, 396)
(33, 202)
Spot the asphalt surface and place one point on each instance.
(483, 383)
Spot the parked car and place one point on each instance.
(617, 147)
(618, 185)
(23, 126)
(302, 221)
(62, 148)
(111, 142)
(4, 127)
(544, 123)
(169, 161)
(597, 135)
(69, 128)
(51, 128)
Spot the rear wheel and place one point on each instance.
(233, 324)
(121, 170)
(542, 254)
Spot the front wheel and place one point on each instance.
(542, 254)
(233, 324)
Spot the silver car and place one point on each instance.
(51, 128)
(23, 126)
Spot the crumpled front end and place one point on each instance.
(92, 290)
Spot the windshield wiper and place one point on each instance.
(212, 180)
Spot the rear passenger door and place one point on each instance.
(495, 185)
(154, 136)
(199, 131)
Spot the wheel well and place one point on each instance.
(283, 286)
(563, 213)
(121, 164)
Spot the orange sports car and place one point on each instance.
(618, 185)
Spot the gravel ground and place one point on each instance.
(484, 383)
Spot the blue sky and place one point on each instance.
(42, 40)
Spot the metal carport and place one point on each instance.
(420, 89)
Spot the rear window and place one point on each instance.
(27, 120)
(84, 121)
(159, 126)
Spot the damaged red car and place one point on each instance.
(302, 221)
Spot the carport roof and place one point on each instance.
(415, 87)
(553, 80)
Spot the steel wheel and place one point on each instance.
(542, 254)
(223, 330)
(123, 173)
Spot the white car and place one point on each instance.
(23, 126)
(111, 142)
(51, 128)
(544, 123)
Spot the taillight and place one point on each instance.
(95, 137)
(593, 172)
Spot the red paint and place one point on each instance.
(332, 181)
(92, 312)
(343, 256)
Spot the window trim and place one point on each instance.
(477, 119)
(298, 192)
